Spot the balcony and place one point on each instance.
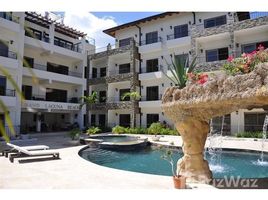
(149, 74)
(241, 16)
(66, 73)
(8, 97)
(150, 101)
(152, 45)
(43, 98)
(9, 59)
(97, 78)
(175, 40)
(72, 47)
(9, 21)
(37, 42)
(114, 103)
(119, 76)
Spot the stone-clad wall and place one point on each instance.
(230, 28)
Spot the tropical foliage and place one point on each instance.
(247, 62)
(119, 129)
(179, 70)
(90, 99)
(93, 130)
(249, 135)
(74, 133)
(132, 95)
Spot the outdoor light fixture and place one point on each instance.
(11, 41)
(171, 55)
(237, 44)
(190, 22)
(161, 29)
(116, 114)
(162, 84)
(116, 89)
(170, 27)
(236, 112)
(200, 20)
(171, 84)
(190, 52)
(162, 57)
(201, 50)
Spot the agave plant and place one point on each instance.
(133, 96)
(179, 69)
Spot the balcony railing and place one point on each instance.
(9, 17)
(117, 72)
(43, 98)
(44, 39)
(97, 75)
(250, 15)
(68, 46)
(8, 54)
(70, 73)
(176, 36)
(151, 69)
(7, 92)
(151, 98)
(151, 41)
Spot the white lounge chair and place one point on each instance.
(29, 148)
(26, 153)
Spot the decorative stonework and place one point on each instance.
(210, 66)
(96, 81)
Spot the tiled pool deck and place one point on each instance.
(71, 171)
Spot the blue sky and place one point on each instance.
(93, 23)
(124, 17)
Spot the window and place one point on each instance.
(60, 69)
(152, 65)
(102, 96)
(152, 118)
(124, 120)
(28, 62)
(181, 31)
(182, 58)
(254, 121)
(121, 94)
(124, 42)
(6, 15)
(56, 95)
(151, 37)
(63, 43)
(152, 93)
(93, 120)
(215, 21)
(102, 119)
(103, 72)
(217, 124)
(30, 32)
(3, 83)
(248, 48)
(94, 72)
(27, 91)
(85, 72)
(216, 54)
(124, 68)
(3, 48)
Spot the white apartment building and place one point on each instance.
(52, 76)
(143, 48)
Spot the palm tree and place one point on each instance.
(133, 96)
(90, 99)
(179, 69)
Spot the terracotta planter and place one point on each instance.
(179, 182)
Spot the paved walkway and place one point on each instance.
(71, 171)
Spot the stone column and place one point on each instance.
(193, 165)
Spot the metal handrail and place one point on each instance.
(144, 69)
(11, 17)
(44, 68)
(9, 54)
(151, 41)
(252, 15)
(7, 92)
(70, 47)
(176, 36)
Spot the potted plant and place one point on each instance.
(74, 135)
(178, 180)
(155, 129)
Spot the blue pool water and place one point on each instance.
(243, 164)
(115, 138)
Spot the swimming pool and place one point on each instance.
(148, 160)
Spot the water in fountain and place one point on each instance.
(261, 161)
(215, 147)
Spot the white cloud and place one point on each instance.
(92, 25)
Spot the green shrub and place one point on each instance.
(249, 135)
(137, 130)
(119, 129)
(74, 133)
(168, 131)
(93, 130)
(155, 128)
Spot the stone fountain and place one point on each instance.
(192, 107)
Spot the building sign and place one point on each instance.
(50, 105)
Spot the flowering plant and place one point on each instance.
(247, 62)
(199, 78)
